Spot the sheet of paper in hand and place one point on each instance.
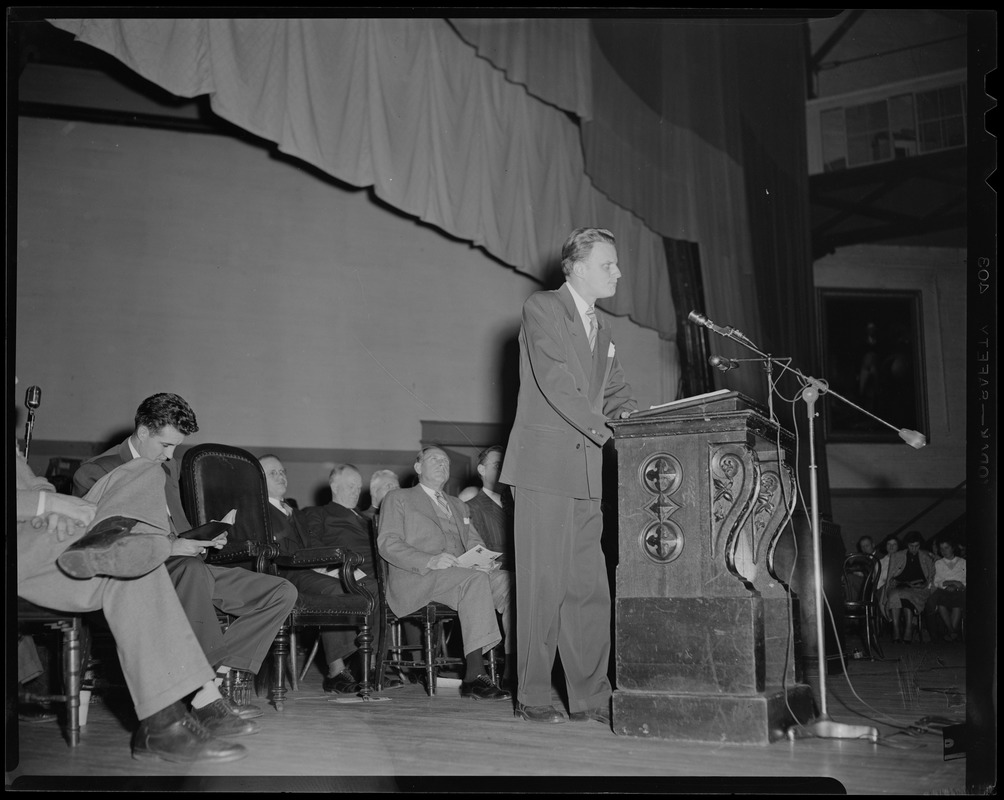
(478, 556)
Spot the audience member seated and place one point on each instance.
(339, 524)
(291, 533)
(117, 566)
(910, 574)
(422, 533)
(259, 603)
(381, 482)
(949, 596)
(491, 508)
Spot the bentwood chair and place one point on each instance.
(216, 478)
(860, 602)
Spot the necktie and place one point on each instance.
(286, 508)
(443, 505)
(591, 316)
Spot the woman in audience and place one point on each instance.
(949, 584)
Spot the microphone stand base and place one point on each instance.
(828, 729)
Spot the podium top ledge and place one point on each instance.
(723, 401)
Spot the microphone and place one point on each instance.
(700, 319)
(33, 397)
(723, 363)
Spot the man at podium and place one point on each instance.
(570, 384)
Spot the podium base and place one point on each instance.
(722, 718)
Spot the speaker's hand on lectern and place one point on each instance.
(624, 414)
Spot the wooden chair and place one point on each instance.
(432, 620)
(70, 627)
(216, 478)
(861, 606)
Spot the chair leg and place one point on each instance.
(364, 641)
(310, 659)
(280, 650)
(293, 651)
(72, 677)
(430, 663)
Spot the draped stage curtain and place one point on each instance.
(408, 107)
(675, 134)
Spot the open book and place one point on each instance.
(211, 530)
(478, 557)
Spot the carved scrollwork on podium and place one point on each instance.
(735, 486)
(662, 539)
(778, 524)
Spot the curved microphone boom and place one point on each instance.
(727, 331)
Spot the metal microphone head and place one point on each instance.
(33, 397)
(697, 319)
(722, 363)
(915, 439)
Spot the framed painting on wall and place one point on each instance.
(873, 352)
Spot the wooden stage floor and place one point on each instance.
(410, 742)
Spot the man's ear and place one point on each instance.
(142, 433)
(481, 471)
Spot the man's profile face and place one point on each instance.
(158, 446)
(433, 468)
(597, 273)
(867, 547)
(346, 488)
(275, 477)
(489, 471)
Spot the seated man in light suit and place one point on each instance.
(119, 571)
(259, 603)
(422, 532)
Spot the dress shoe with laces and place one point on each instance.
(539, 713)
(183, 741)
(482, 688)
(220, 720)
(342, 683)
(111, 548)
(243, 710)
(600, 714)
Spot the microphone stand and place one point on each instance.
(823, 727)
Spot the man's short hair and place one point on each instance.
(913, 537)
(382, 476)
(339, 470)
(161, 410)
(426, 449)
(483, 455)
(580, 243)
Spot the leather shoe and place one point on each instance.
(184, 741)
(539, 713)
(600, 714)
(219, 720)
(342, 683)
(245, 710)
(482, 688)
(110, 548)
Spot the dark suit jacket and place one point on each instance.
(411, 534)
(334, 525)
(565, 398)
(494, 522)
(93, 469)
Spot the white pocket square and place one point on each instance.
(611, 350)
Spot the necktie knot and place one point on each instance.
(591, 317)
(444, 506)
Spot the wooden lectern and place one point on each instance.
(706, 622)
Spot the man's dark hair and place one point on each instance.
(160, 410)
(483, 455)
(579, 245)
(914, 536)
